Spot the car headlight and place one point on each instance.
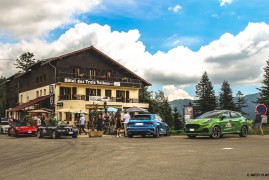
(75, 130)
(207, 121)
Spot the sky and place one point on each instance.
(169, 43)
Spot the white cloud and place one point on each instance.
(173, 93)
(225, 2)
(175, 9)
(239, 59)
(25, 19)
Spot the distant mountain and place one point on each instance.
(250, 109)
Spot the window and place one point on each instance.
(40, 92)
(37, 79)
(44, 77)
(98, 92)
(45, 93)
(21, 99)
(120, 95)
(78, 72)
(235, 115)
(41, 79)
(37, 94)
(92, 73)
(27, 98)
(108, 93)
(65, 93)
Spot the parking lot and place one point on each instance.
(108, 157)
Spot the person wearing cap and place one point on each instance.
(258, 123)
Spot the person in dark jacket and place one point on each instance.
(258, 123)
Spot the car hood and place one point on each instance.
(26, 127)
(5, 126)
(199, 121)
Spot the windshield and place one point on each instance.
(4, 123)
(20, 123)
(211, 114)
(61, 123)
(141, 117)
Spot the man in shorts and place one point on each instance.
(258, 123)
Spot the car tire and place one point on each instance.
(167, 132)
(130, 136)
(216, 132)
(191, 135)
(16, 134)
(39, 134)
(243, 131)
(54, 135)
(144, 135)
(75, 136)
(157, 133)
(8, 132)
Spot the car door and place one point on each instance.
(161, 124)
(226, 122)
(235, 118)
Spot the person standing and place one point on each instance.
(118, 124)
(126, 119)
(258, 123)
(38, 121)
(82, 124)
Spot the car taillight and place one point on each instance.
(151, 122)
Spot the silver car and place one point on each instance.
(4, 127)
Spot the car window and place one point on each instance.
(235, 115)
(225, 115)
(4, 123)
(211, 114)
(141, 117)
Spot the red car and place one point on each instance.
(18, 128)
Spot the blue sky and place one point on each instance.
(170, 43)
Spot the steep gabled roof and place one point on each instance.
(102, 54)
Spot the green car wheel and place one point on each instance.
(191, 135)
(244, 131)
(216, 132)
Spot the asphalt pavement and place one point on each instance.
(109, 157)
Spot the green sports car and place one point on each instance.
(217, 123)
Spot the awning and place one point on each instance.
(25, 105)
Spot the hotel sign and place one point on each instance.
(94, 82)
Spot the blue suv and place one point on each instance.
(147, 124)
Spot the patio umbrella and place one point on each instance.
(136, 109)
(110, 109)
(38, 111)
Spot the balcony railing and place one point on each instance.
(88, 98)
(98, 80)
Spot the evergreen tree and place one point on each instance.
(226, 97)
(205, 94)
(241, 103)
(264, 90)
(177, 119)
(25, 60)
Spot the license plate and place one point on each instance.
(29, 131)
(191, 129)
(70, 132)
(139, 124)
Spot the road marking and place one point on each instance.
(227, 148)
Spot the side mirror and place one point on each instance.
(223, 117)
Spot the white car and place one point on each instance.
(4, 127)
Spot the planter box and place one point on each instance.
(95, 133)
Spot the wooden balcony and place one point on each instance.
(98, 80)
